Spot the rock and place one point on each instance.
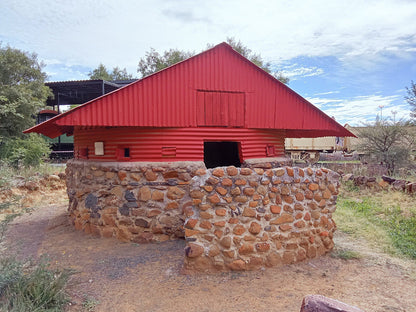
(31, 185)
(193, 250)
(318, 303)
(91, 201)
(129, 196)
(54, 177)
(124, 210)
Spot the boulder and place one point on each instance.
(318, 303)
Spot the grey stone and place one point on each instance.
(132, 204)
(318, 303)
(142, 223)
(172, 182)
(129, 196)
(91, 201)
(124, 210)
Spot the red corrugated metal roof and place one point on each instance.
(172, 98)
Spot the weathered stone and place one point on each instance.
(237, 265)
(220, 223)
(150, 175)
(313, 186)
(226, 242)
(213, 181)
(240, 182)
(246, 171)
(91, 201)
(273, 259)
(172, 205)
(275, 209)
(235, 191)
(141, 222)
(280, 172)
(197, 194)
(249, 191)
(285, 227)
(227, 182)
(158, 195)
(262, 247)
(221, 212)
(232, 171)
(213, 251)
(218, 172)
(129, 196)
(289, 171)
(255, 228)
(205, 215)
(208, 188)
(200, 172)
(135, 176)
(246, 248)
(122, 175)
(241, 199)
(314, 303)
(248, 212)
(144, 194)
(239, 229)
(214, 199)
(175, 192)
(220, 190)
(124, 210)
(284, 218)
(194, 250)
(205, 225)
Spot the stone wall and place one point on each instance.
(244, 219)
(138, 202)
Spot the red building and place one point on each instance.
(216, 107)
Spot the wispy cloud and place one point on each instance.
(295, 71)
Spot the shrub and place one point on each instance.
(34, 288)
(28, 151)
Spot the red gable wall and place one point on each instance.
(218, 87)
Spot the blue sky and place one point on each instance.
(349, 58)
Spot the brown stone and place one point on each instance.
(144, 194)
(122, 175)
(284, 218)
(237, 265)
(285, 227)
(175, 192)
(108, 219)
(214, 199)
(299, 207)
(233, 221)
(190, 223)
(218, 172)
(299, 196)
(246, 171)
(150, 175)
(173, 174)
(227, 182)
(212, 181)
(273, 259)
(205, 225)
(218, 233)
(109, 175)
(239, 229)
(158, 196)
(189, 232)
(197, 194)
(275, 209)
(317, 197)
(205, 215)
(288, 257)
(172, 205)
(324, 220)
(253, 204)
(289, 171)
(241, 199)
(255, 228)
(315, 214)
(249, 238)
(288, 199)
(235, 191)
(222, 191)
(226, 242)
(228, 253)
(322, 203)
(280, 172)
(298, 216)
(288, 208)
(205, 207)
(326, 194)
(248, 212)
(308, 194)
(262, 247)
(246, 248)
(208, 188)
(232, 171)
(194, 250)
(285, 190)
(200, 172)
(249, 191)
(240, 182)
(213, 251)
(259, 171)
(221, 212)
(301, 173)
(220, 223)
(300, 224)
(313, 186)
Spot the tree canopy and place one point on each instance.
(101, 72)
(411, 98)
(388, 143)
(154, 61)
(22, 91)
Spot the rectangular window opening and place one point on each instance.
(126, 152)
(218, 154)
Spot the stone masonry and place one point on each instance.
(232, 218)
(244, 219)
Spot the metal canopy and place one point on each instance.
(81, 91)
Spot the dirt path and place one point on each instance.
(132, 277)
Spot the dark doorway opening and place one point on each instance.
(217, 154)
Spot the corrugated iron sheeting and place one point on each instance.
(146, 144)
(168, 98)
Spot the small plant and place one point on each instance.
(345, 254)
(350, 186)
(89, 304)
(32, 287)
(402, 230)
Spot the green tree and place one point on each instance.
(154, 61)
(22, 91)
(101, 72)
(387, 143)
(411, 98)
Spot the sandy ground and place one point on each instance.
(131, 277)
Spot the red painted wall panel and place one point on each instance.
(146, 144)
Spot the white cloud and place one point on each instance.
(362, 109)
(293, 72)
